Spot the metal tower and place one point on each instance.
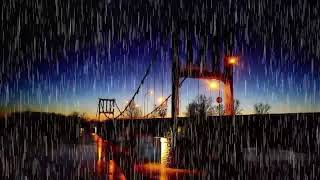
(106, 107)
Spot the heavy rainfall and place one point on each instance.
(159, 89)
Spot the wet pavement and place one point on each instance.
(148, 157)
(94, 158)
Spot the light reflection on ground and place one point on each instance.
(164, 168)
(103, 167)
(159, 167)
(153, 158)
(148, 157)
(159, 171)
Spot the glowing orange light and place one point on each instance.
(99, 146)
(114, 171)
(155, 168)
(102, 166)
(232, 60)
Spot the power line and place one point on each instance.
(156, 108)
(141, 83)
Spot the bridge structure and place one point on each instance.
(198, 68)
(192, 68)
(217, 67)
(106, 107)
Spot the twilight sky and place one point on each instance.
(61, 57)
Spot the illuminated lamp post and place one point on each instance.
(229, 63)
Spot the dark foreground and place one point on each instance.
(93, 157)
(57, 147)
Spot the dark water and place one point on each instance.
(85, 159)
(146, 157)
(93, 157)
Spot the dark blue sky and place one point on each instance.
(74, 82)
(62, 56)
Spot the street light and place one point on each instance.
(150, 92)
(160, 100)
(232, 60)
(213, 85)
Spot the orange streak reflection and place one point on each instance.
(114, 171)
(102, 164)
(162, 171)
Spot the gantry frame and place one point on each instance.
(106, 107)
(199, 71)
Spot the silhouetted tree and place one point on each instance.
(75, 114)
(192, 109)
(212, 111)
(219, 109)
(162, 110)
(236, 107)
(133, 111)
(155, 112)
(83, 116)
(261, 108)
(200, 106)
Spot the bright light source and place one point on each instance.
(232, 60)
(213, 85)
(151, 92)
(160, 99)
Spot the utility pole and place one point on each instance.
(175, 84)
